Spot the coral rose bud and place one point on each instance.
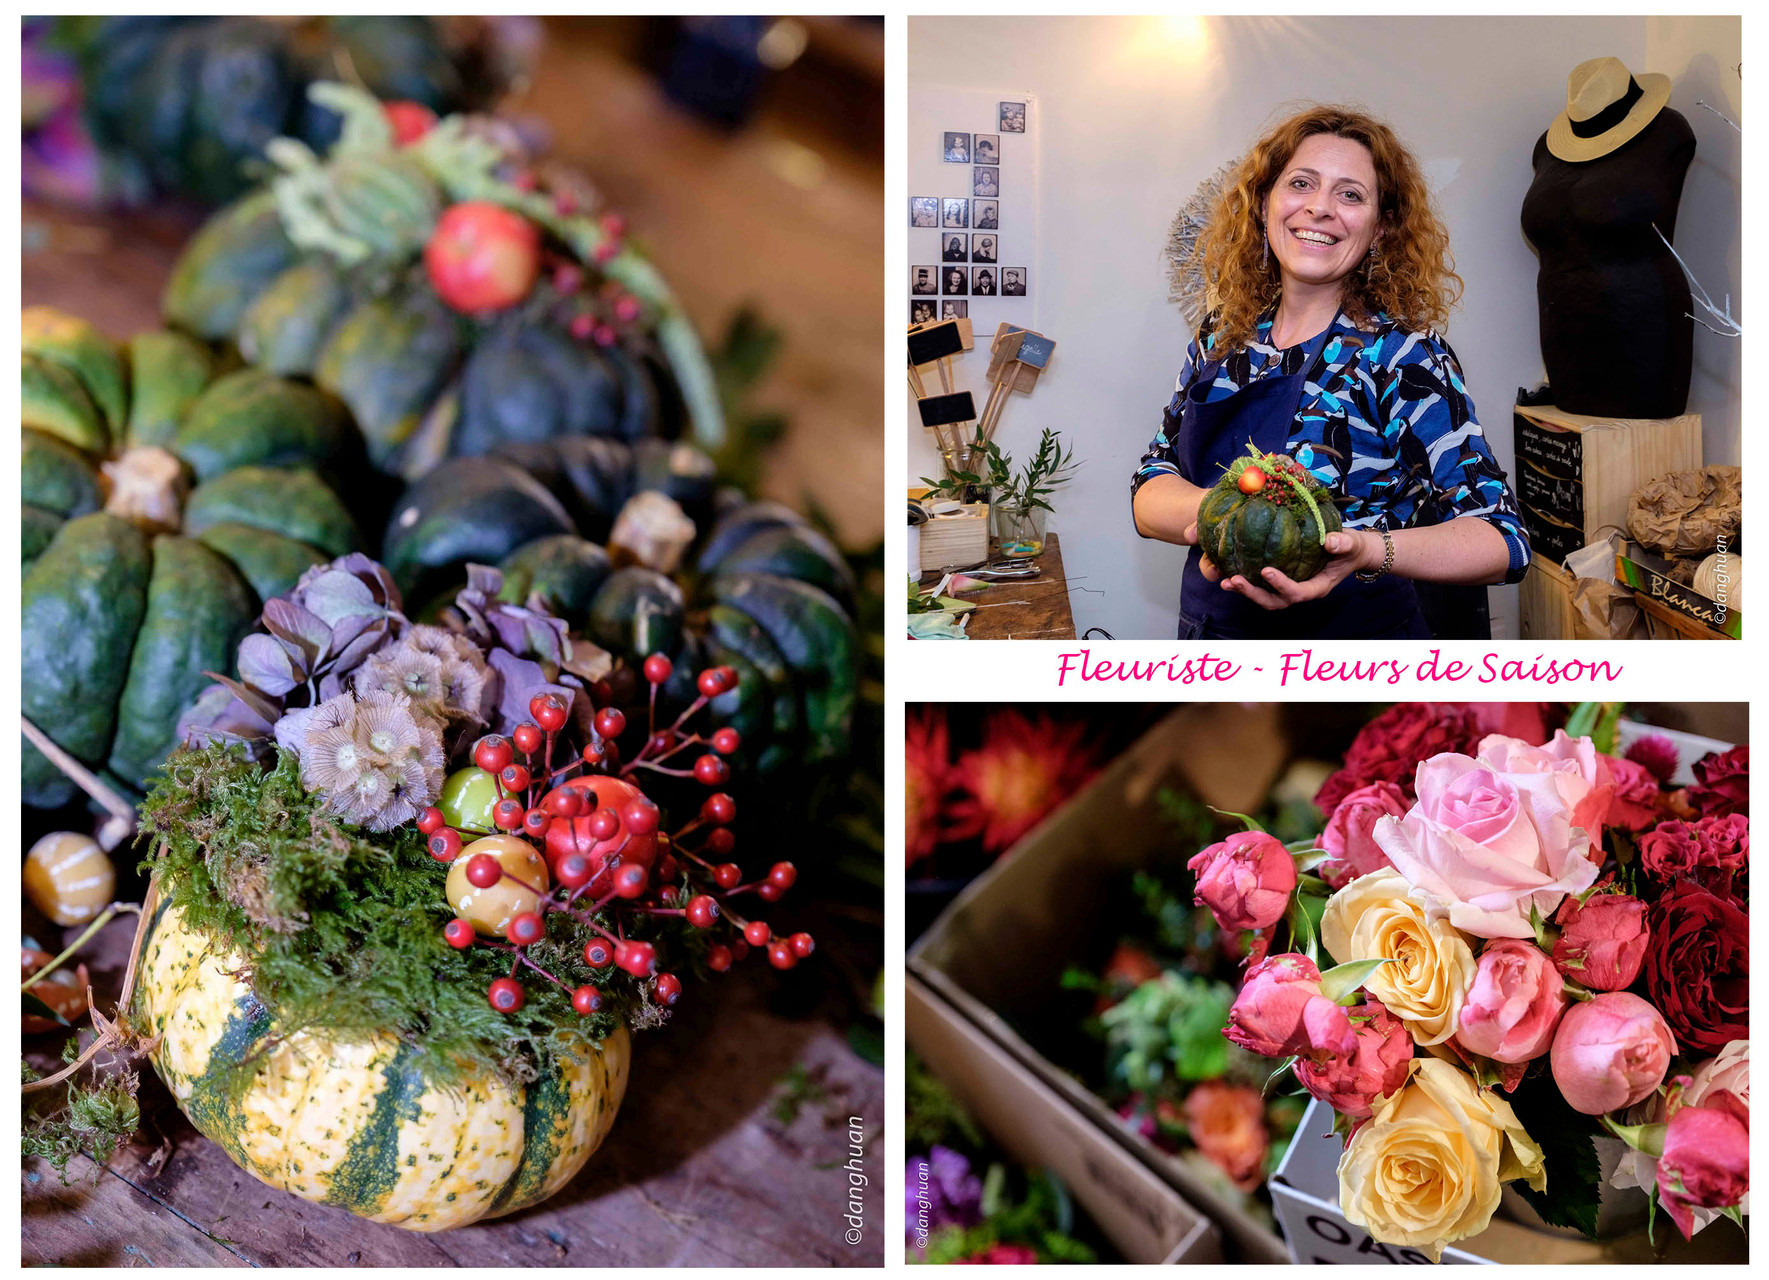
(1610, 1052)
(1281, 1011)
(1348, 835)
(1602, 943)
(1246, 880)
(1511, 1010)
(1351, 1083)
(1706, 1162)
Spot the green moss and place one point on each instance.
(343, 928)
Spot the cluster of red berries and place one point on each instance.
(602, 852)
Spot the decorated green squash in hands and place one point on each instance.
(1267, 511)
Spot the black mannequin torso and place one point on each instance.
(1617, 340)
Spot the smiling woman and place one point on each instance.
(1329, 277)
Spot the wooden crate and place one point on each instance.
(1545, 603)
(956, 542)
(1575, 473)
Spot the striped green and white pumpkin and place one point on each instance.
(354, 1124)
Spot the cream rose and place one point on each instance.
(1379, 915)
(1425, 1170)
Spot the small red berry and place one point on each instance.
(720, 841)
(605, 336)
(549, 711)
(410, 120)
(492, 753)
(668, 989)
(658, 668)
(631, 880)
(768, 891)
(667, 867)
(587, 1000)
(514, 777)
(740, 949)
(582, 326)
(604, 824)
(592, 755)
(527, 738)
(445, 844)
(783, 874)
(567, 802)
(526, 928)
(710, 771)
(506, 995)
(611, 722)
(507, 813)
(726, 741)
(598, 954)
(605, 253)
(727, 875)
(574, 870)
(458, 934)
(626, 309)
(535, 823)
(703, 911)
(613, 226)
(568, 277)
(637, 958)
(483, 871)
(718, 958)
(660, 742)
(431, 820)
(524, 181)
(780, 955)
(710, 683)
(639, 816)
(757, 933)
(718, 807)
(801, 945)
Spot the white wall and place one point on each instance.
(1135, 112)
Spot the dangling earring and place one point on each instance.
(1264, 250)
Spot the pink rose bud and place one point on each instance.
(1347, 837)
(1602, 944)
(1706, 1163)
(1281, 1011)
(1246, 880)
(1351, 1083)
(1610, 1052)
(1511, 1010)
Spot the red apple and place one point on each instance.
(482, 257)
(566, 834)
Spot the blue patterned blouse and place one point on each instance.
(1385, 423)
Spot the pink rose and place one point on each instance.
(1725, 840)
(1706, 1162)
(1486, 844)
(1348, 839)
(1510, 1012)
(1602, 944)
(1634, 806)
(1351, 1083)
(1525, 720)
(1722, 782)
(1610, 1052)
(1580, 771)
(1728, 1073)
(1246, 880)
(1281, 1011)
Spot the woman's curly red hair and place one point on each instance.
(1411, 277)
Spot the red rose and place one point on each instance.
(1671, 849)
(1698, 968)
(1725, 841)
(1722, 782)
(1634, 807)
(1391, 746)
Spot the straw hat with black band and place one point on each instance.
(1606, 106)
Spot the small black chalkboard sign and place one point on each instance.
(937, 411)
(935, 342)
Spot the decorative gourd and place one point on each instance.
(768, 595)
(68, 877)
(125, 608)
(356, 1124)
(325, 273)
(1707, 579)
(1266, 510)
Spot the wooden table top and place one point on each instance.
(1029, 609)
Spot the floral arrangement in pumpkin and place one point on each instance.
(1267, 510)
(1539, 943)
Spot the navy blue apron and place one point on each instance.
(1212, 435)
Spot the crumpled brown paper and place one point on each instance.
(1607, 611)
(1687, 512)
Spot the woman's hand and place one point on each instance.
(1348, 551)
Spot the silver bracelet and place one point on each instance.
(1371, 575)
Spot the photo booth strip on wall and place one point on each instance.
(1011, 117)
(1016, 282)
(924, 211)
(955, 214)
(922, 310)
(943, 411)
(955, 148)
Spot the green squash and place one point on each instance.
(1282, 524)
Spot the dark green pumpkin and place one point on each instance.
(1244, 533)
